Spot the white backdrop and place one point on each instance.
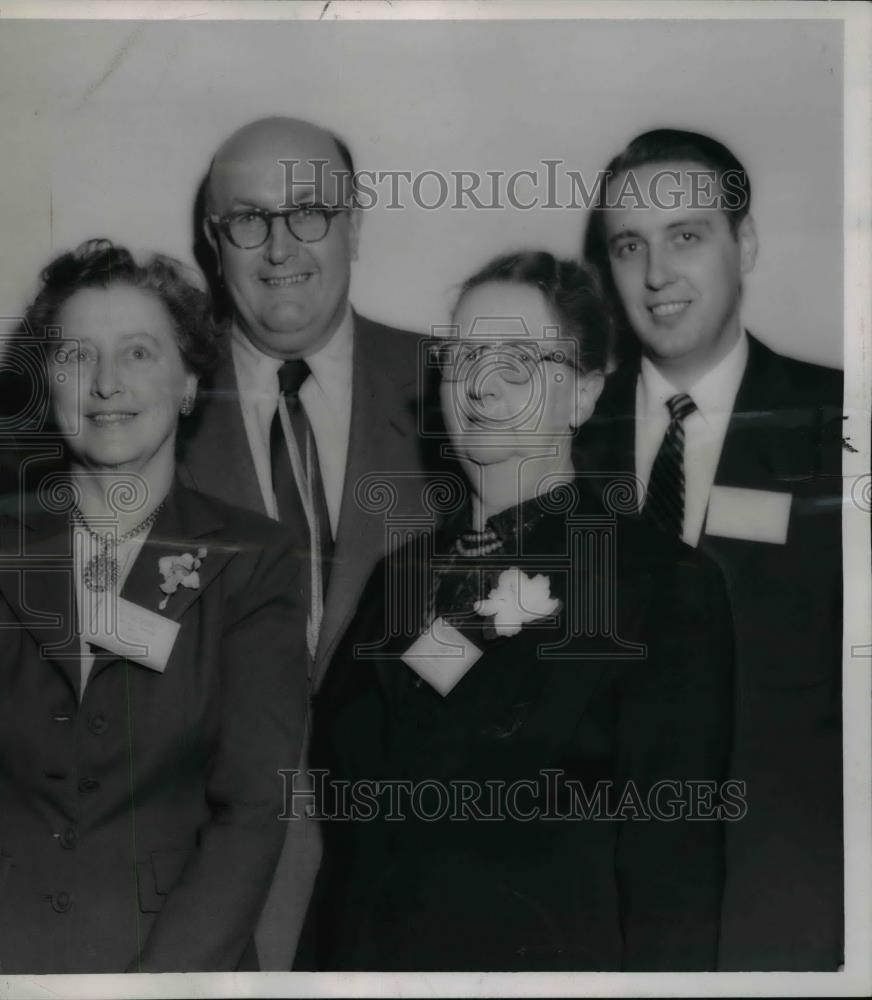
(107, 127)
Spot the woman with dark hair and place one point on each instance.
(152, 661)
(512, 737)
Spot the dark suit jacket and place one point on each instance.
(384, 445)
(783, 903)
(384, 441)
(506, 894)
(138, 827)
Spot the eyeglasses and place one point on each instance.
(513, 362)
(250, 229)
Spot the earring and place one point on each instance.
(187, 407)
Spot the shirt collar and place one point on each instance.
(714, 392)
(254, 369)
(330, 364)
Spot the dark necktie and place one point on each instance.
(290, 489)
(664, 502)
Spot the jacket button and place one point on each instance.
(61, 902)
(98, 724)
(88, 785)
(69, 838)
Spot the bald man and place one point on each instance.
(311, 399)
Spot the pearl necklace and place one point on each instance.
(477, 543)
(101, 571)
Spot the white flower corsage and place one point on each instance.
(177, 570)
(516, 599)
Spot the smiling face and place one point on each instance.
(678, 270)
(288, 297)
(502, 411)
(117, 379)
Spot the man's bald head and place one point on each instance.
(275, 140)
(290, 292)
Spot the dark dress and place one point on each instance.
(475, 871)
(139, 821)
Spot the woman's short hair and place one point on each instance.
(99, 263)
(571, 291)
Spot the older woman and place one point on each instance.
(151, 655)
(518, 725)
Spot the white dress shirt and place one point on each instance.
(704, 430)
(325, 396)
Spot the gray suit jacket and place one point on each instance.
(382, 494)
(384, 443)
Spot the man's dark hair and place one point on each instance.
(662, 145)
(571, 290)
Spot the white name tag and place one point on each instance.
(752, 515)
(136, 634)
(441, 656)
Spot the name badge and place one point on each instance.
(138, 634)
(752, 515)
(441, 656)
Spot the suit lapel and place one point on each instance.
(184, 525)
(757, 452)
(216, 457)
(37, 581)
(753, 455)
(377, 430)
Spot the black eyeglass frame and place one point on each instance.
(223, 222)
(480, 350)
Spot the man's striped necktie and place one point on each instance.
(664, 501)
(299, 493)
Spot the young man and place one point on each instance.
(736, 449)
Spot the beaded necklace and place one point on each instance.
(101, 571)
